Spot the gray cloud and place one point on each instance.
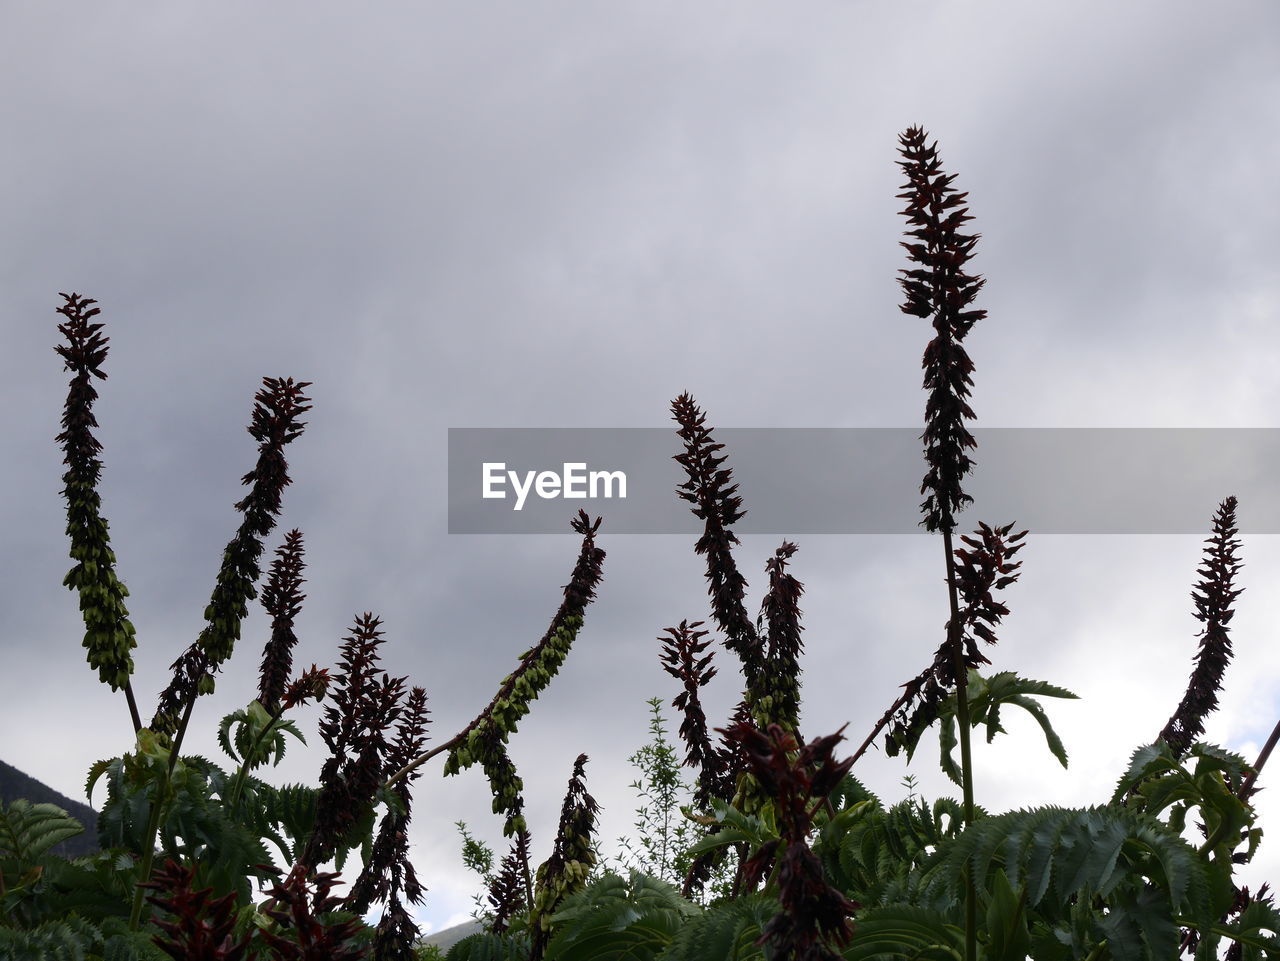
(552, 216)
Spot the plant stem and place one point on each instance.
(153, 818)
(884, 721)
(253, 750)
(153, 827)
(133, 707)
(422, 759)
(966, 758)
(1247, 788)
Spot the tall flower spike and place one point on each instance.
(484, 739)
(799, 778)
(1213, 598)
(311, 685)
(985, 565)
(275, 422)
(571, 859)
(715, 765)
(281, 599)
(362, 707)
(109, 635)
(507, 890)
(940, 288)
(198, 927)
(779, 698)
(389, 870)
(722, 780)
(718, 506)
(302, 907)
(680, 659)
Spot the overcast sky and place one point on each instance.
(563, 215)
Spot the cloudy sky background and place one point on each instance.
(563, 215)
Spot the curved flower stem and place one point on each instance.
(422, 759)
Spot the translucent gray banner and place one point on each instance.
(796, 481)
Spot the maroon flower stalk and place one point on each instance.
(571, 858)
(730, 766)
(717, 766)
(771, 692)
(202, 928)
(940, 288)
(507, 890)
(718, 506)
(483, 741)
(780, 681)
(986, 565)
(299, 906)
(311, 685)
(362, 708)
(395, 935)
(680, 657)
(813, 912)
(1213, 599)
(278, 405)
(282, 599)
(109, 634)
(389, 870)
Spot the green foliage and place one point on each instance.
(37, 886)
(259, 737)
(1007, 936)
(755, 830)
(28, 830)
(491, 947)
(875, 855)
(1250, 932)
(665, 835)
(986, 696)
(728, 929)
(618, 919)
(75, 937)
(206, 823)
(901, 931)
(197, 827)
(477, 856)
(69, 940)
(1158, 782)
(485, 742)
(1132, 874)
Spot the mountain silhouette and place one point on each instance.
(15, 786)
